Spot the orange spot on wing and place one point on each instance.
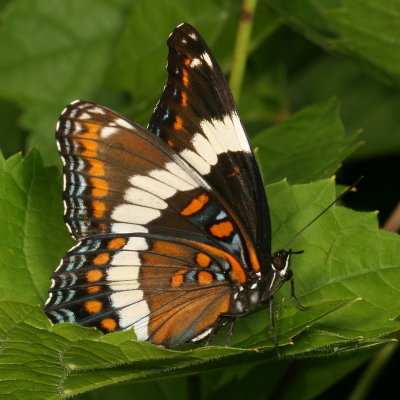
(92, 130)
(170, 143)
(96, 167)
(234, 172)
(178, 278)
(195, 205)
(172, 249)
(203, 260)
(183, 99)
(116, 243)
(187, 61)
(99, 187)
(93, 289)
(237, 272)
(225, 305)
(101, 258)
(94, 275)
(205, 277)
(178, 124)
(98, 208)
(222, 229)
(254, 259)
(90, 146)
(108, 324)
(102, 226)
(185, 77)
(93, 306)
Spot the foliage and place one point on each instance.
(113, 53)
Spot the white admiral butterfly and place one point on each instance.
(172, 221)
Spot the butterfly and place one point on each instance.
(172, 223)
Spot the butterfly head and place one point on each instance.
(280, 272)
(280, 263)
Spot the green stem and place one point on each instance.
(372, 372)
(241, 47)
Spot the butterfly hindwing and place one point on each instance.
(169, 290)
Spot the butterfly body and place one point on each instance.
(171, 222)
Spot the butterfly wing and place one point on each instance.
(170, 228)
(198, 118)
(121, 180)
(170, 290)
(117, 178)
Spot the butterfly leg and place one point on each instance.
(209, 338)
(230, 332)
(296, 300)
(217, 327)
(272, 325)
(214, 331)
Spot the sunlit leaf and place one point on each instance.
(365, 31)
(349, 275)
(310, 145)
(53, 53)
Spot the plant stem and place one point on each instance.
(194, 387)
(372, 372)
(393, 222)
(241, 47)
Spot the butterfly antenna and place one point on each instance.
(349, 189)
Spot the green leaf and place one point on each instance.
(349, 273)
(169, 389)
(142, 72)
(308, 146)
(49, 59)
(264, 98)
(300, 380)
(366, 31)
(366, 104)
(68, 359)
(253, 380)
(13, 138)
(32, 234)
(346, 258)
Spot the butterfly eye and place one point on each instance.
(281, 260)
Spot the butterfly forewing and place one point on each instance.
(197, 117)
